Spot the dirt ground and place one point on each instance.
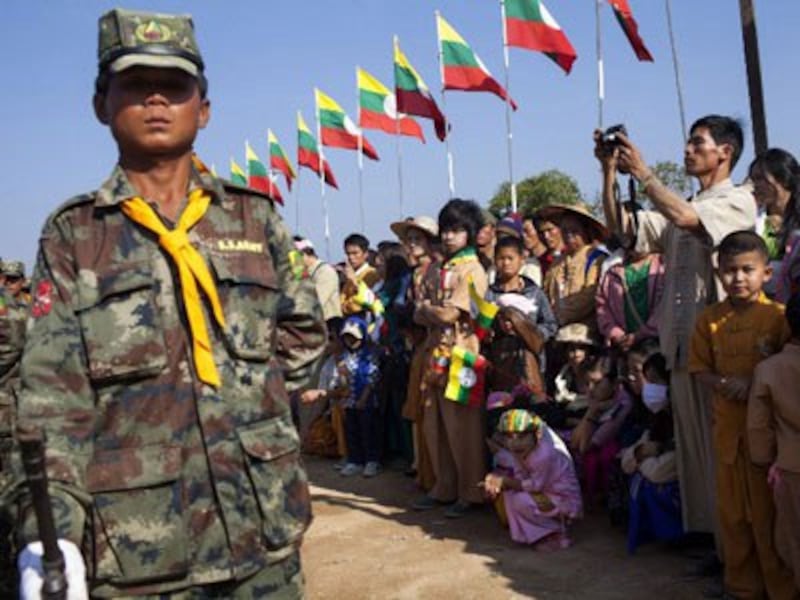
(365, 543)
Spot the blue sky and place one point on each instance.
(265, 58)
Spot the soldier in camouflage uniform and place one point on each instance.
(166, 333)
(13, 313)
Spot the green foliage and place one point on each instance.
(549, 187)
(673, 176)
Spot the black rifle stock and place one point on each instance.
(31, 442)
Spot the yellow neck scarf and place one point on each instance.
(192, 270)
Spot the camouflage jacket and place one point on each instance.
(13, 315)
(163, 480)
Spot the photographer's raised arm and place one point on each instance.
(674, 208)
(608, 161)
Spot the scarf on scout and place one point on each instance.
(192, 271)
(465, 255)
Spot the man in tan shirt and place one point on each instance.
(686, 233)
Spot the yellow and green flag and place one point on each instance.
(413, 96)
(465, 380)
(462, 68)
(237, 174)
(487, 311)
(378, 108)
(278, 159)
(308, 152)
(337, 129)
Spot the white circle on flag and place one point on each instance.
(350, 127)
(467, 377)
(390, 105)
(548, 18)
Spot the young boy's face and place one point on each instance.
(635, 375)
(351, 341)
(355, 256)
(743, 275)
(152, 112)
(508, 262)
(576, 354)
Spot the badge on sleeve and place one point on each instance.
(42, 299)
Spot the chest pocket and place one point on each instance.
(248, 291)
(121, 324)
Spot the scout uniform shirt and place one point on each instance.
(167, 481)
(730, 343)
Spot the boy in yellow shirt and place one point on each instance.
(730, 338)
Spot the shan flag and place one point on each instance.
(378, 108)
(529, 25)
(624, 14)
(462, 69)
(413, 96)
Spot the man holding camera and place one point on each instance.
(686, 232)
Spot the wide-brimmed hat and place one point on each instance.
(488, 218)
(575, 333)
(424, 223)
(555, 212)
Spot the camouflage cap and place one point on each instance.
(131, 38)
(13, 268)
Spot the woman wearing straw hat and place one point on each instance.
(571, 282)
(418, 235)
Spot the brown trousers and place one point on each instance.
(753, 569)
(413, 410)
(455, 436)
(787, 523)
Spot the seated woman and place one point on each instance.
(628, 298)
(654, 501)
(571, 283)
(533, 472)
(594, 439)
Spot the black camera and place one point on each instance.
(609, 139)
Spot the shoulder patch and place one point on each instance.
(239, 190)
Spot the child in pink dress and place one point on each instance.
(535, 475)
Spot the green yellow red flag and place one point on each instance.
(412, 95)
(308, 152)
(378, 108)
(278, 159)
(462, 68)
(465, 379)
(337, 129)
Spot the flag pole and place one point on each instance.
(322, 184)
(507, 62)
(451, 180)
(269, 167)
(601, 80)
(297, 201)
(678, 86)
(399, 158)
(360, 157)
(676, 69)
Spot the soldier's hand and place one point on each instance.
(32, 574)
